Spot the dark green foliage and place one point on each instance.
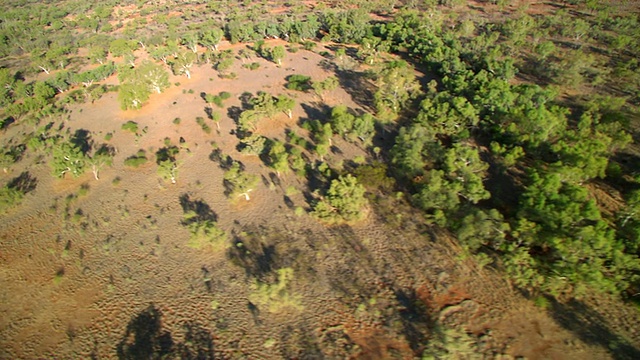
(217, 99)
(374, 177)
(298, 82)
(555, 240)
(351, 127)
(238, 182)
(68, 159)
(343, 202)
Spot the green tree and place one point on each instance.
(97, 54)
(210, 38)
(120, 47)
(182, 63)
(343, 202)
(101, 158)
(68, 159)
(285, 104)
(132, 95)
(277, 54)
(322, 87)
(238, 182)
(278, 157)
(156, 78)
(9, 197)
(397, 85)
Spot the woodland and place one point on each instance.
(505, 132)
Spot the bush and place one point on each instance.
(309, 45)
(9, 198)
(130, 126)
(206, 128)
(136, 160)
(298, 82)
(252, 66)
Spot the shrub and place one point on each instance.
(298, 82)
(130, 126)
(206, 128)
(136, 160)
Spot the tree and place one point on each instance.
(298, 82)
(343, 202)
(182, 63)
(190, 40)
(463, 165)
(482, 228)
(438, 195)
(132, 95)
(341, 120)
(101, 158)
(210, 38)
(253, 145)
(397, 85)
(238, 182)
(68, 159)
(322, 87)
(203, 231)
(97, 54)
(285, 104)
(277, 54)
(156, 78)
(167, 162)
(9, 197)
(278, 157)
(120, 47)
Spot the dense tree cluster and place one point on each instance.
(556, 239)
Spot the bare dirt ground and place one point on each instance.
(108, 274)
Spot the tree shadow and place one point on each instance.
(246, 100)
(591, 328)
(315, 111)
(24, 183)
(345, 278)
(356, 84)
(82, 140)
(209, 111)
(249, 252)
(167, 153)
(415, 319)
(300, 343)
(198, 343)
(224, 161)
(233, 112)
(201, 209)
(106, 149)
(144, 337)
(4, 124)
